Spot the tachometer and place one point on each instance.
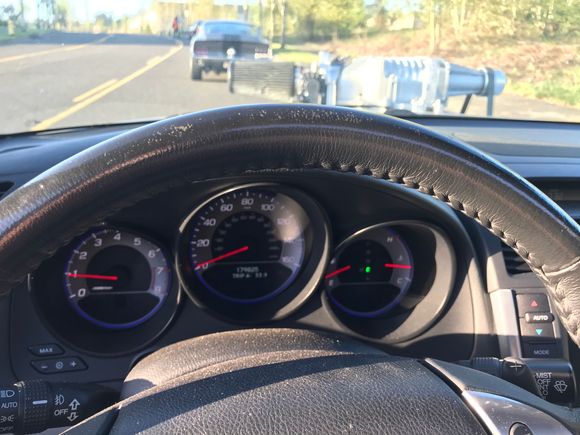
(117, 279)
(248, 246)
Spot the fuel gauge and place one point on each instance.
(370, 273)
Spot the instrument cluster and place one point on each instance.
(251, 254)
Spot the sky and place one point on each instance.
(86, 10)
(83, 10)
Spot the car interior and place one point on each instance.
(290, 217)
(245, 247)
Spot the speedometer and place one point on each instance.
(247, 246)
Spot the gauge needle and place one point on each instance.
(222, 257)
(91, 276)
(337, 271)
(397, 266)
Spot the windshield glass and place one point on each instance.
(67, 63)
(229, 28)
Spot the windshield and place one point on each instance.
(67, 63)
(213, 28)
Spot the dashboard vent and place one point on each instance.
(5, 187)
(513, 262)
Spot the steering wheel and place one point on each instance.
(276, 380)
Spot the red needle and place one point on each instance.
(223, 256)
(397, 266)
(337, 271)
(91, 276)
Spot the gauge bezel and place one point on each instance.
(49, 299)
(431, 293)
(288, 300)
(101, 323)
(359, 235)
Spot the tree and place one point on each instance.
(261, 14)
(105, 21)
(435, 19)
(324, 19)
(283, 7)
(8, 13)
(385, 15)
(272, 20)
(61, 13)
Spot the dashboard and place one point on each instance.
(250, 254)
(304, 249)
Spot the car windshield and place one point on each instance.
(229, 28)
(70, 63)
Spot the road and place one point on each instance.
(61, 80)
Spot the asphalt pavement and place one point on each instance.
(64, 79)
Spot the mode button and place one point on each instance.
(542, 350)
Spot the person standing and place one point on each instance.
(175, 27)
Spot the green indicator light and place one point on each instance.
(368, 269)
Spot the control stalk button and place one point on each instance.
(9, 408)
(536, 331)
(542, 350)
(59, 365)
(532, 303)
(49, 349)
(539, 317)
(555, 379)
(36, 405)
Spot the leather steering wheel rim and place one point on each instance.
(64, 201)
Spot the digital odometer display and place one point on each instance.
(248, 245)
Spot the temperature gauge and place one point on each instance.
(370, 273)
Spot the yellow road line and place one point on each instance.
(95, 97)
(153, 60)
(94, 90)
(52, 50)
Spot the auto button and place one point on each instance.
(539, 317)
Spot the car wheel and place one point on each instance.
(195, 70)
